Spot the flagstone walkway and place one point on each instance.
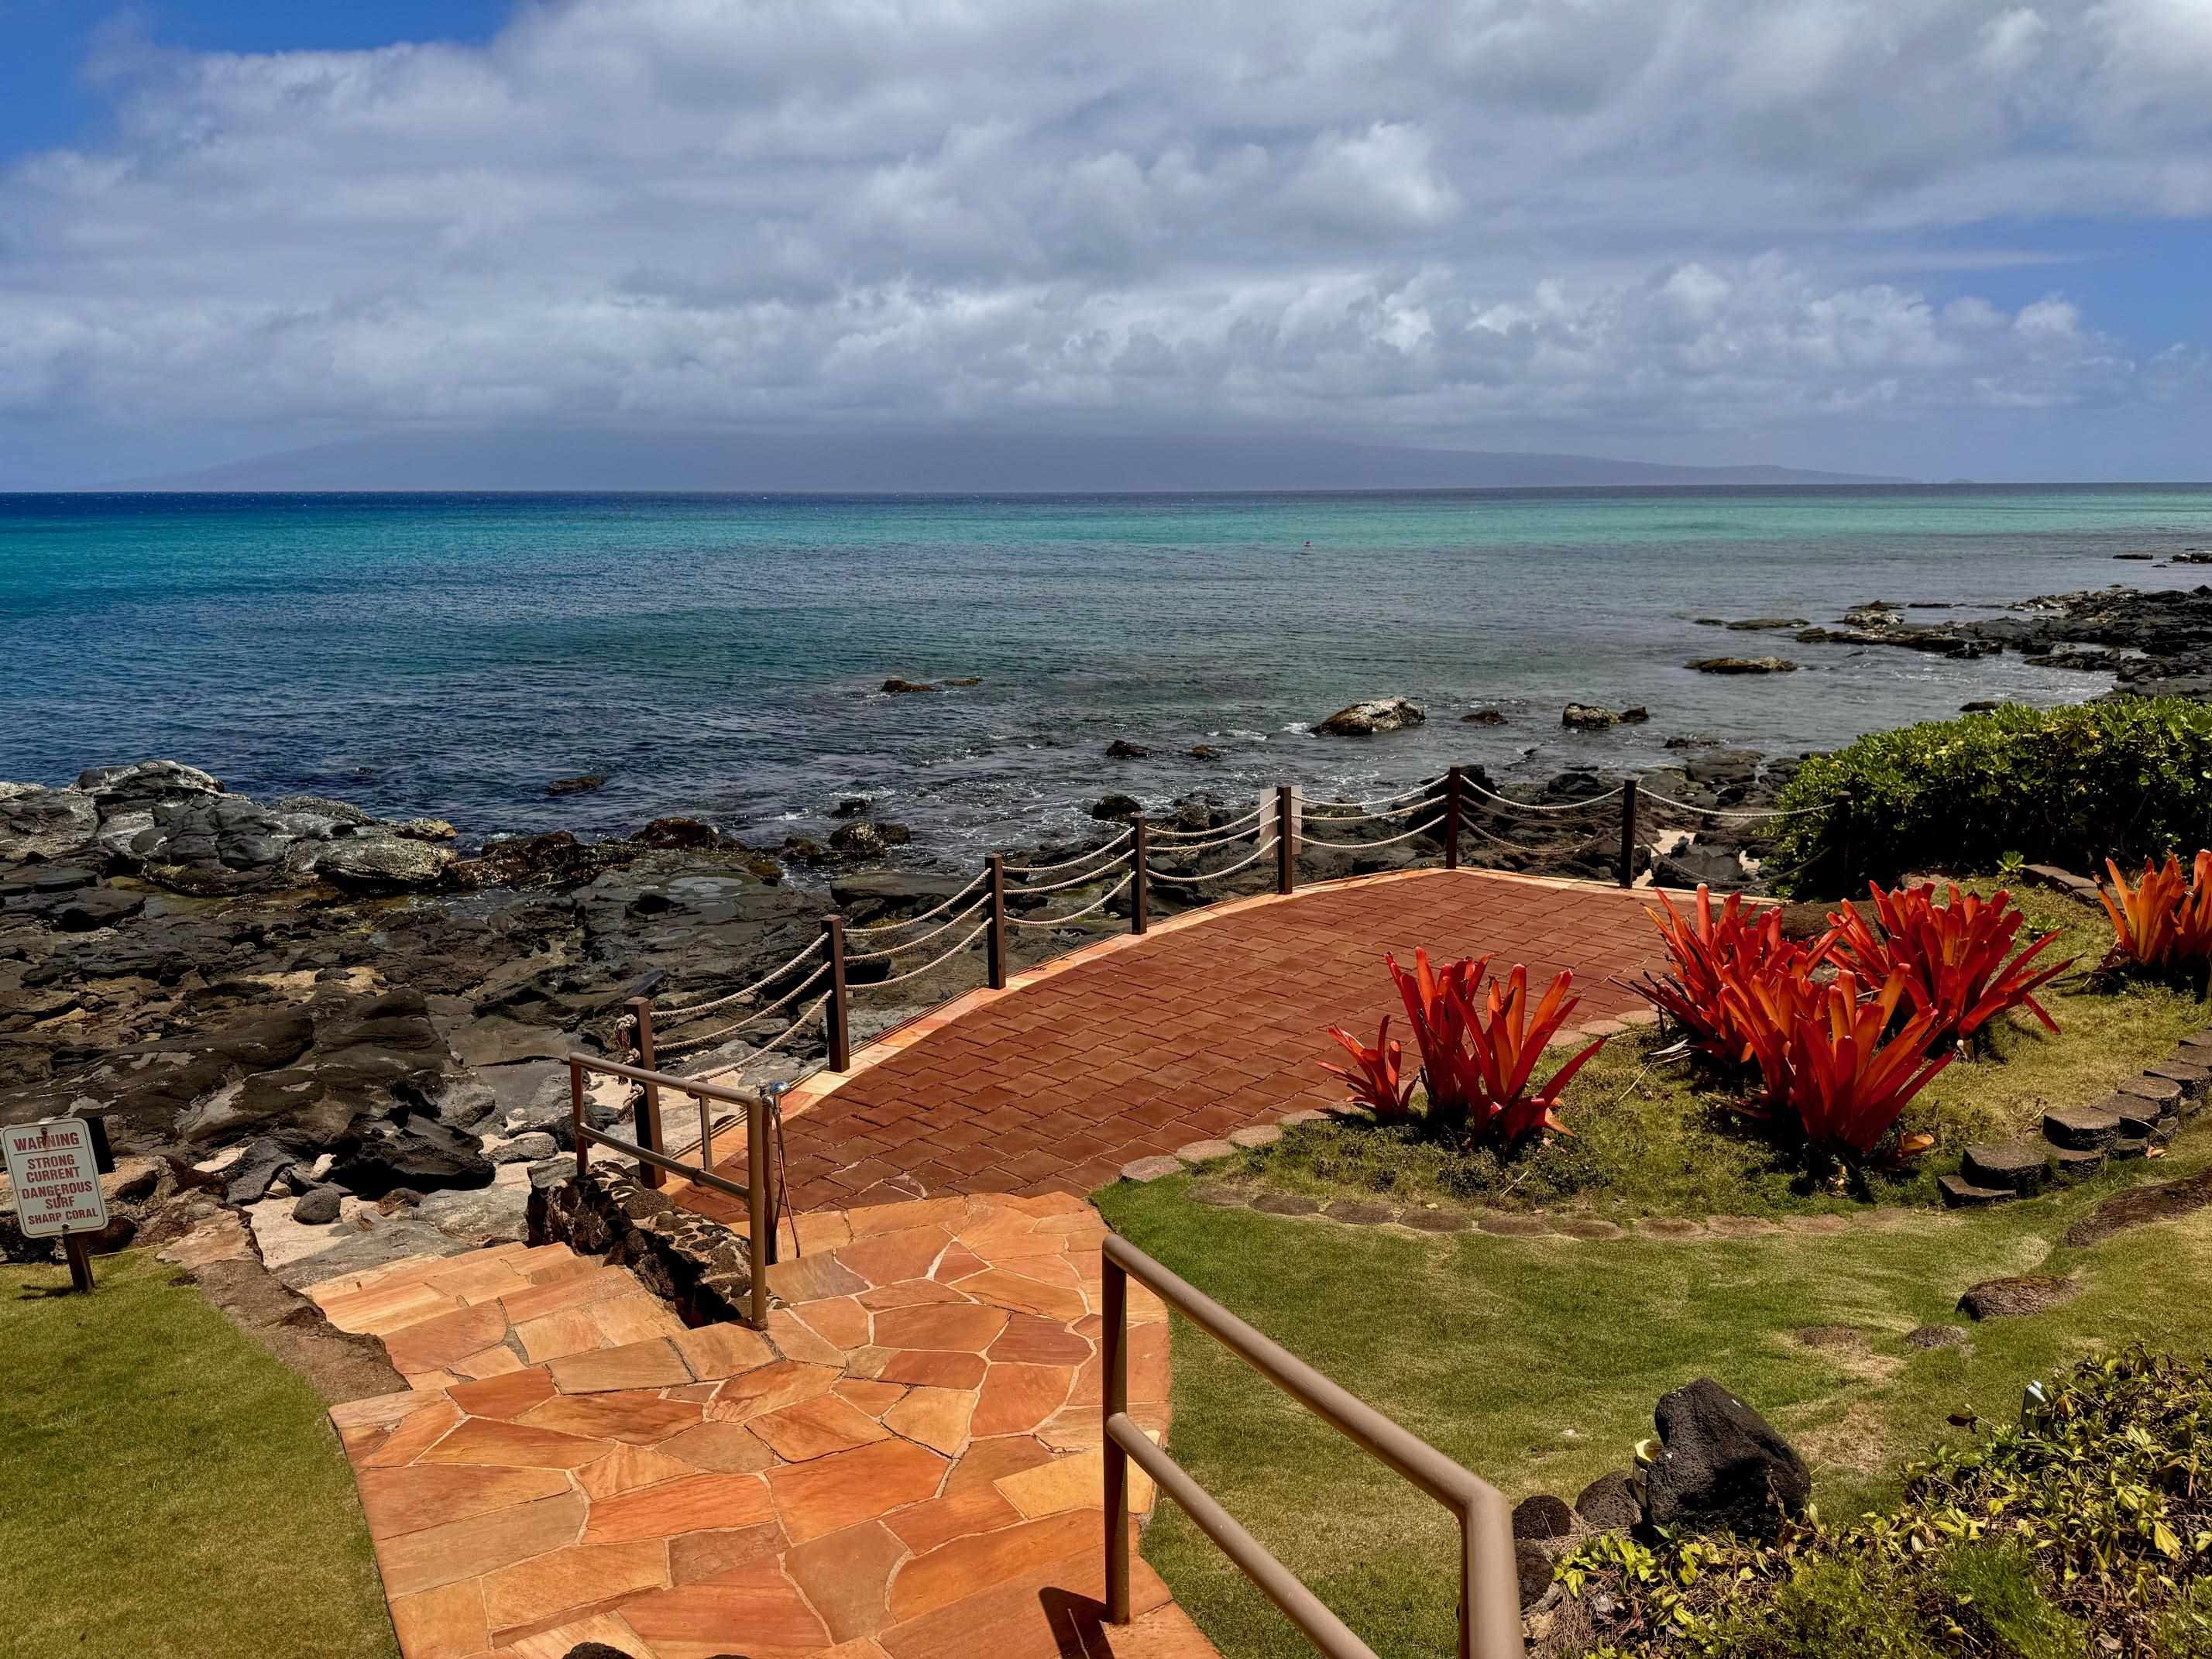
(906, 1465)
(1215, 1020)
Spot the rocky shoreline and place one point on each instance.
(352, 1030)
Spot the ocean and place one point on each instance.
(720, 656)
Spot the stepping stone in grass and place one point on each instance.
(2191, 1075)
(1434, 1221)
(1285, 1204)
(1152, 1168)
(1360, 1212)
(2075, 1164)
(2011, 1298)
(1542, 1517)
(1514, 1226)
(1222, 1197)
(2086, 1128)
(2020, 1166)
(1937, 1336)
(2161, 1091)
(1962, 1195)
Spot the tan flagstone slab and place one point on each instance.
(958, 1263)
(1077, 1481)
(445, 1555)
(572, 1291)
(505, 1396)
(608, 1629)
(374, 1312)
(796, 1340)
(755, 1605)
(626, 1467)
(447, 1623)
(487, 1441)
(832, 1492)
(653, 1364)
(497, 1361)
(1149, 1374)
(933, 1368)
(556, 1335)
(724, 1448)
(478, 1276)
(810, 1277)
(703, 1557)
(411, 1438)
(871, 1396)
(888, 1257)
(636, 1417)
(1048, 1612)
(846, 1576)
(907, 1293)
(962, 1327)
(406, 1500)
(1017, 1399)
(815, 1428)
(952, 1573)
(768, 1389)
(941, 1520)
(433, 1343)
(583, 1576)
(626, 1319)
(839, 1320)
(382, 1411)
(871, 1219)
(713, 1351)
(1030, 1340)
(987, 1460)
(697, 1502)
(938, 1418)
(1007, 1289)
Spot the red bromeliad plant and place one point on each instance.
(1953, 956)
(1479, 1049)
(1846, 1087)
(1377, 1084)
(2165, 920)
(1712, 954)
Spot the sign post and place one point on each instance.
(54, 1165)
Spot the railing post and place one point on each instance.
(648, 1101)
(1140, 915)
(1114, 1372)
(994, 940)
(757, 1209)
(840, 1030)
(1451, 819)
(1628, 833)
(1287, 877)
(576, 1118)
(706, 1133)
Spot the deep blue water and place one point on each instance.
(720, 656)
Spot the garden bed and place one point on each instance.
(1650, 1135)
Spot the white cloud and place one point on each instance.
(1442, 218)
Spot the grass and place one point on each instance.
(1658, 1138)
(1536, 1362)
(170, 1489)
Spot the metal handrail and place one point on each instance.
(761, 1109)
(1490, 1599)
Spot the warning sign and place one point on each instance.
(56, 1177)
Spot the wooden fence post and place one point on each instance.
(1286, 871)
(1628, 833)
(1140, 916)
(839, 1031)
(648, 1101)
(994, 941)
(1451, 819)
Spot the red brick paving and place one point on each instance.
(1185, 1035)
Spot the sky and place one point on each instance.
(1939, 238)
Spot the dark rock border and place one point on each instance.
(699, 1266)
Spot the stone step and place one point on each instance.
(2073, 1163)
(2127, 1146)
(2020, 1166)
(2191, 1075)
(2138, 1116)
(2084, 1128)
(1959, 1194)
(2162, 1093)
(2196, 1047)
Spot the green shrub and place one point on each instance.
(2125, 779)
(2095, 1514)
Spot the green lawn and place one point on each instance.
(1654, 1137)
(1536, 1362)
(167, 1488)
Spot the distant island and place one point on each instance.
(910, 463)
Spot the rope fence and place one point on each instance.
(1445, 809)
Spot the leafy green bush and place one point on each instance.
(2071, 787)
(2095, 1514)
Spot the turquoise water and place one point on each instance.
(720, 656)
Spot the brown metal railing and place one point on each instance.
(1489, 1592)
(761, 1203)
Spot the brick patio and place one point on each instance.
(1134, 1047)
